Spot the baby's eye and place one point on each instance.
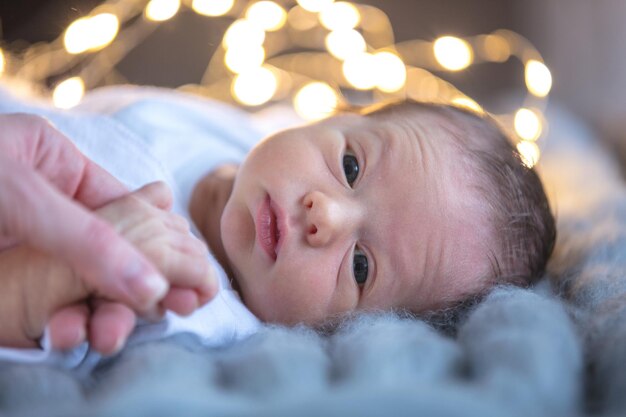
(350, 168)
(359, 267)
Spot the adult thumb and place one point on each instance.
(35, 213)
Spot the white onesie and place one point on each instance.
(142, 135)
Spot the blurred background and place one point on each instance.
(581, 41)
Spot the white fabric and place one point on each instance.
(142, 135)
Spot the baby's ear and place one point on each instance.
(157, 194)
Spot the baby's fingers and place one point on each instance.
(68, 326)
(181, 301)
(111, 324)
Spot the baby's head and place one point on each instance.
(408, 206)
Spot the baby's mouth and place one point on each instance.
(267, 230)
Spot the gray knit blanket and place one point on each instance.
(558, 349)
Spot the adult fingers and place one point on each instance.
(68, 326)
(35, 213)
(156, 194)
(36, 143)
(111, 324)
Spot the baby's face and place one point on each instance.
(355, 213)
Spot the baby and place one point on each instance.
(405, 206)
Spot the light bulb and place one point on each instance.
(68, 93)
(538, 78)
(254, 87)
(315, 100)
(162, 10)
(452, 53)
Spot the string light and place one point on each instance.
(360, 71)
(529, 151)
(243, 58)
(340, 15)
(91, 33)
(315, 100)
(261, 67)
(343, 43)
(467, 103)
(267, 15)
(390, 72)
(243, 32)
(162, 10)
(68, 93)
(254, 87)
(212, 7)
(452, 53)
(314, 5)
(538, 78)
(527, 124)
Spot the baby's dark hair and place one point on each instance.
(517, 205)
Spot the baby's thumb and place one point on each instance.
(157, 194)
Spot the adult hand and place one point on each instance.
(47, 189)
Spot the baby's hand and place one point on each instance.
(142, 217)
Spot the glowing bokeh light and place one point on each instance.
(212, 7)
(244, 58)
(453, 53)
(343, 43)
(467, 103)
(68, 93)
(267, 15)
(254, 87)
(529, 151)
(538, 78)
(314, 5)
(91, 33)
(340, 15)
(390, 72)
(315, 100)
(360, 71)
(3, 62)
(496, 48)
(527, 124)
(243, 32)
(162, 10)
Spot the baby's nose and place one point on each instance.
(325, 218)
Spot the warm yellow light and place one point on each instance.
(244, 57)
(91, 33)
(267, 15)
(467, 103)
(243, 32)
(527, 124)
(315, 101)
(452, 53)
(529, 151)
(68, 93)
(2, 61)
(360, 71)
(340, 15)
(390, 72)
(538, 78)
(496, 48)
(254, 87)
(343, 43)
(314, 5)
(212, 7)
(161, 10)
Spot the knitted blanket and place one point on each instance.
(558, 349)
